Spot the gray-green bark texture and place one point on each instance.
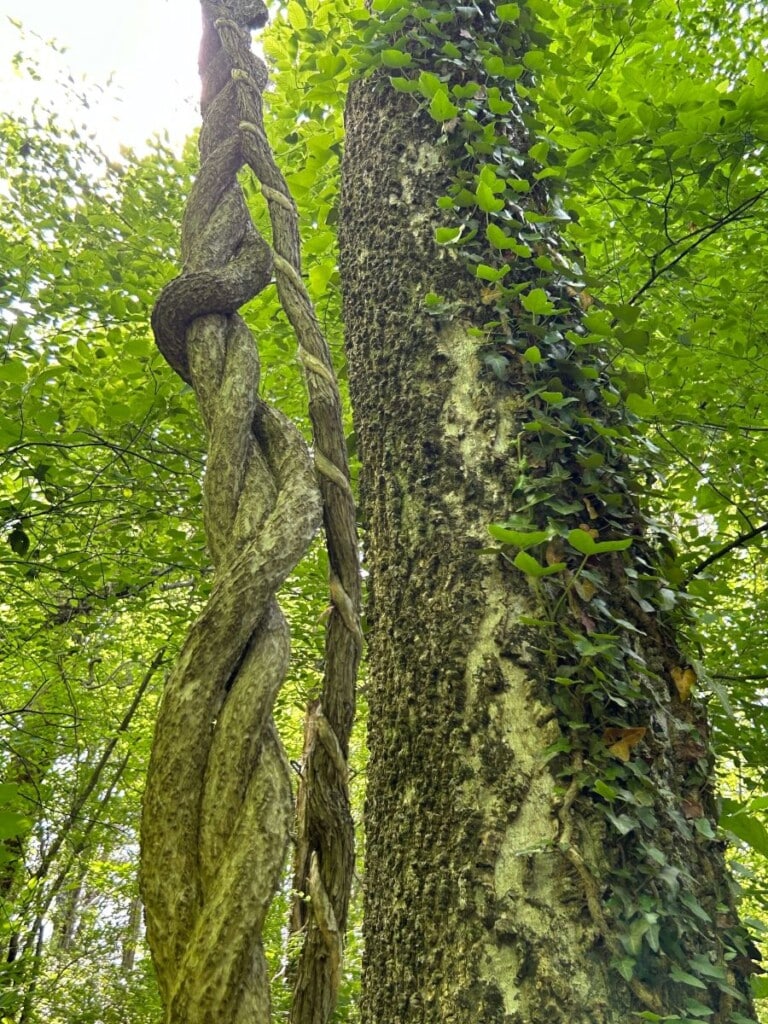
(217, 809)
(493, 877)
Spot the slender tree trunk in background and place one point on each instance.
(28, 1005)
(497, 890)
(31, 761)
(131, 936)
(67, 911)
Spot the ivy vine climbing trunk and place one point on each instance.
(541, 840)
(218, 807)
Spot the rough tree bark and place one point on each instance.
(491, 872)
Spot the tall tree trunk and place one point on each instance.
(33, 972)
(529, 858)
(68, 911)
(131, 936)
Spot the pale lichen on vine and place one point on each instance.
(218, 806)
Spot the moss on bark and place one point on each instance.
(491, 869)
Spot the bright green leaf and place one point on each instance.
(582, 541)
(508, 12)
(429, 84)
(748, 828)
(486, 273)
(640, 405)
(487, 200)
(445, 236)
(404, 84)
(536, 60)
(537, 301)
(498, 238)
(528, 564)
(579, 157)
(396, 59)
(13, 370)
(296, 16)
(520, 538)
(441, 108)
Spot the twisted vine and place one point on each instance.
(217, 810)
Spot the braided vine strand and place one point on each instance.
(217, 809)
(324, 861)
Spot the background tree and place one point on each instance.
(105, 563)
(86, 515)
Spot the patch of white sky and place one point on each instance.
(135, 62)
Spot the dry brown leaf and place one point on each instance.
(588, 623)
(621, 741)
(554, 552)
(586, 589)
(490, 295)
(692, 809)
(684, 680)
(593, 513)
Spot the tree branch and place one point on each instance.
(90, 785)
(742, 539)
(703, 235)
(756, 677)
(697, 469)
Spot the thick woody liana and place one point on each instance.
(325, 852)
(217, 811)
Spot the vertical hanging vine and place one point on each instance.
(217, 810)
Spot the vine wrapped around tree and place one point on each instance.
(218, 806)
